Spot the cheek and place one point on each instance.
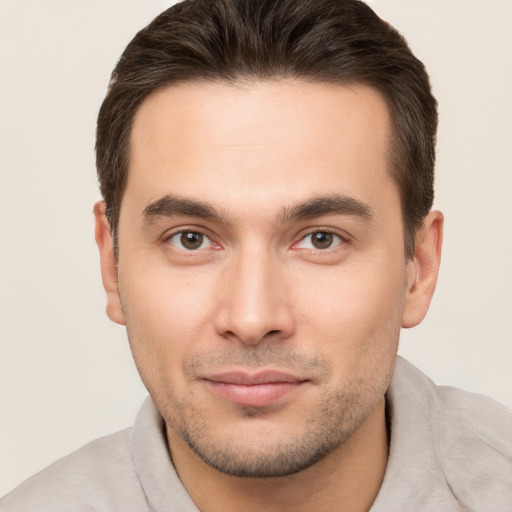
(164, 301)
(166, 316)
(356, 326)
(354, 309)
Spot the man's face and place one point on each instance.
(261, 267)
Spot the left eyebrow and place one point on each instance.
(336, 204)
(171, 206)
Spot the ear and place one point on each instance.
(423, 269)
(105, 244)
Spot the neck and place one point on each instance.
(349, 478)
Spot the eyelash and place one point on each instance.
(334, 240)
(203, 238)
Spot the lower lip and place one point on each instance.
(257, 395)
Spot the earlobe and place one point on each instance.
(423, 269)
(105, 244)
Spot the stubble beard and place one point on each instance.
(337, 415)
(319, 437)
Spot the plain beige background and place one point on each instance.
(66, 374)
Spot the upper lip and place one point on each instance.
(248, 379)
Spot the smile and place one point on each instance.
(262, 389)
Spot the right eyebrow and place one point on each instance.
(335, 204)
(171, 206)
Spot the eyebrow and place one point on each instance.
(171, 206)
(337, 204)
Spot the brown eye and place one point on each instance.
(322, 240)
(189, 240)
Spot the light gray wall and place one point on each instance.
(66, 375)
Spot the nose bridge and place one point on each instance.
(254, 297)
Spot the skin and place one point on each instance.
(267, 277)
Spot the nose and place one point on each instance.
(253, 300)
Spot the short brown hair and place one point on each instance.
(323, 41)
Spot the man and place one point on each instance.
(266, 230)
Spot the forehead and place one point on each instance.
(253, 141)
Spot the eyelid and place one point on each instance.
(343, 239)
(190, 229)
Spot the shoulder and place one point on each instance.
(470, 435)
(475, 447)
(97, 477)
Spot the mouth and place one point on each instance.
(254, 390)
